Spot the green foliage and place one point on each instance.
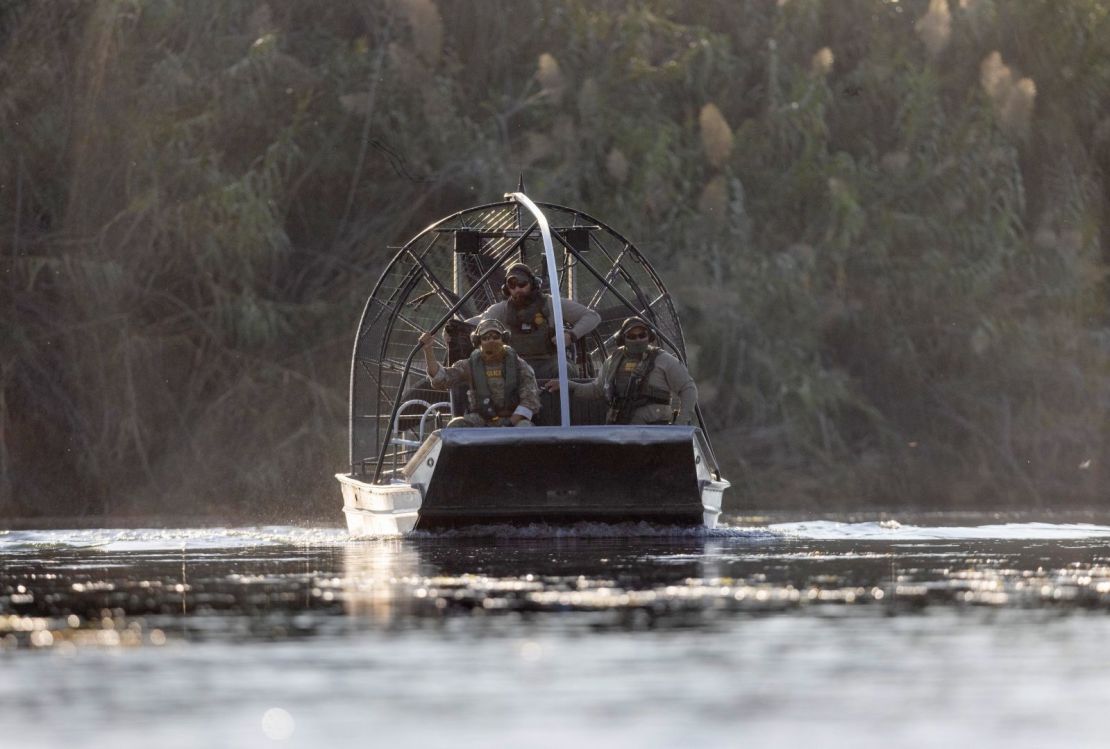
(888, 242)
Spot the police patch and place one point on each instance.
(539, 319)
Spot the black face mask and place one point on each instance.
(636, 347)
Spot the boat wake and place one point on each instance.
(815, 530)
(201, 539)
(892, 530)
(594, 530)
(168, 539)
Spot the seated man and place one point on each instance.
(527, 313)
(503, 390)
(638, 380)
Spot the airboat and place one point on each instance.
(407, 472)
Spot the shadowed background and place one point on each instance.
(882, 222)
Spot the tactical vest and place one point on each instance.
(495, 390)
(532, 328)
(626, 388)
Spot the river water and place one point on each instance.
(832, 634)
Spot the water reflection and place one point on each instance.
(106, 597)
(379, 579)
(693, 582)
(390, 581)
(656, 640)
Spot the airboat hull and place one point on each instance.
(554, 476)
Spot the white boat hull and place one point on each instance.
(379, 509)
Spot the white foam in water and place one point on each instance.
(592, 530)
(156, 539)
(892, 530)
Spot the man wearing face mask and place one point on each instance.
(638, 380)
(502, 387)
(527, 313)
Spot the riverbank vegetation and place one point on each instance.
(883, 222)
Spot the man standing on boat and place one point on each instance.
(638, 380)
(527, 313)
(502, 386)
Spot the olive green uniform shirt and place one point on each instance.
(527, 389)
(581, 318)
(667, 374)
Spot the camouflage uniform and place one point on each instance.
(527, 391)
(668, 375)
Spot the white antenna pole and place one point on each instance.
(556, 301)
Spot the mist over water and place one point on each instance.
(873, 633)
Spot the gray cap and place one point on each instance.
(521, 271)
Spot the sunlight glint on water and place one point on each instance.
(836, 634)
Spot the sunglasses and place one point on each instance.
(514, 283)
(493, 335)
(642, 336)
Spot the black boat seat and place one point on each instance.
(582, 412)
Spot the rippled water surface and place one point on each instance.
(860, 634)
